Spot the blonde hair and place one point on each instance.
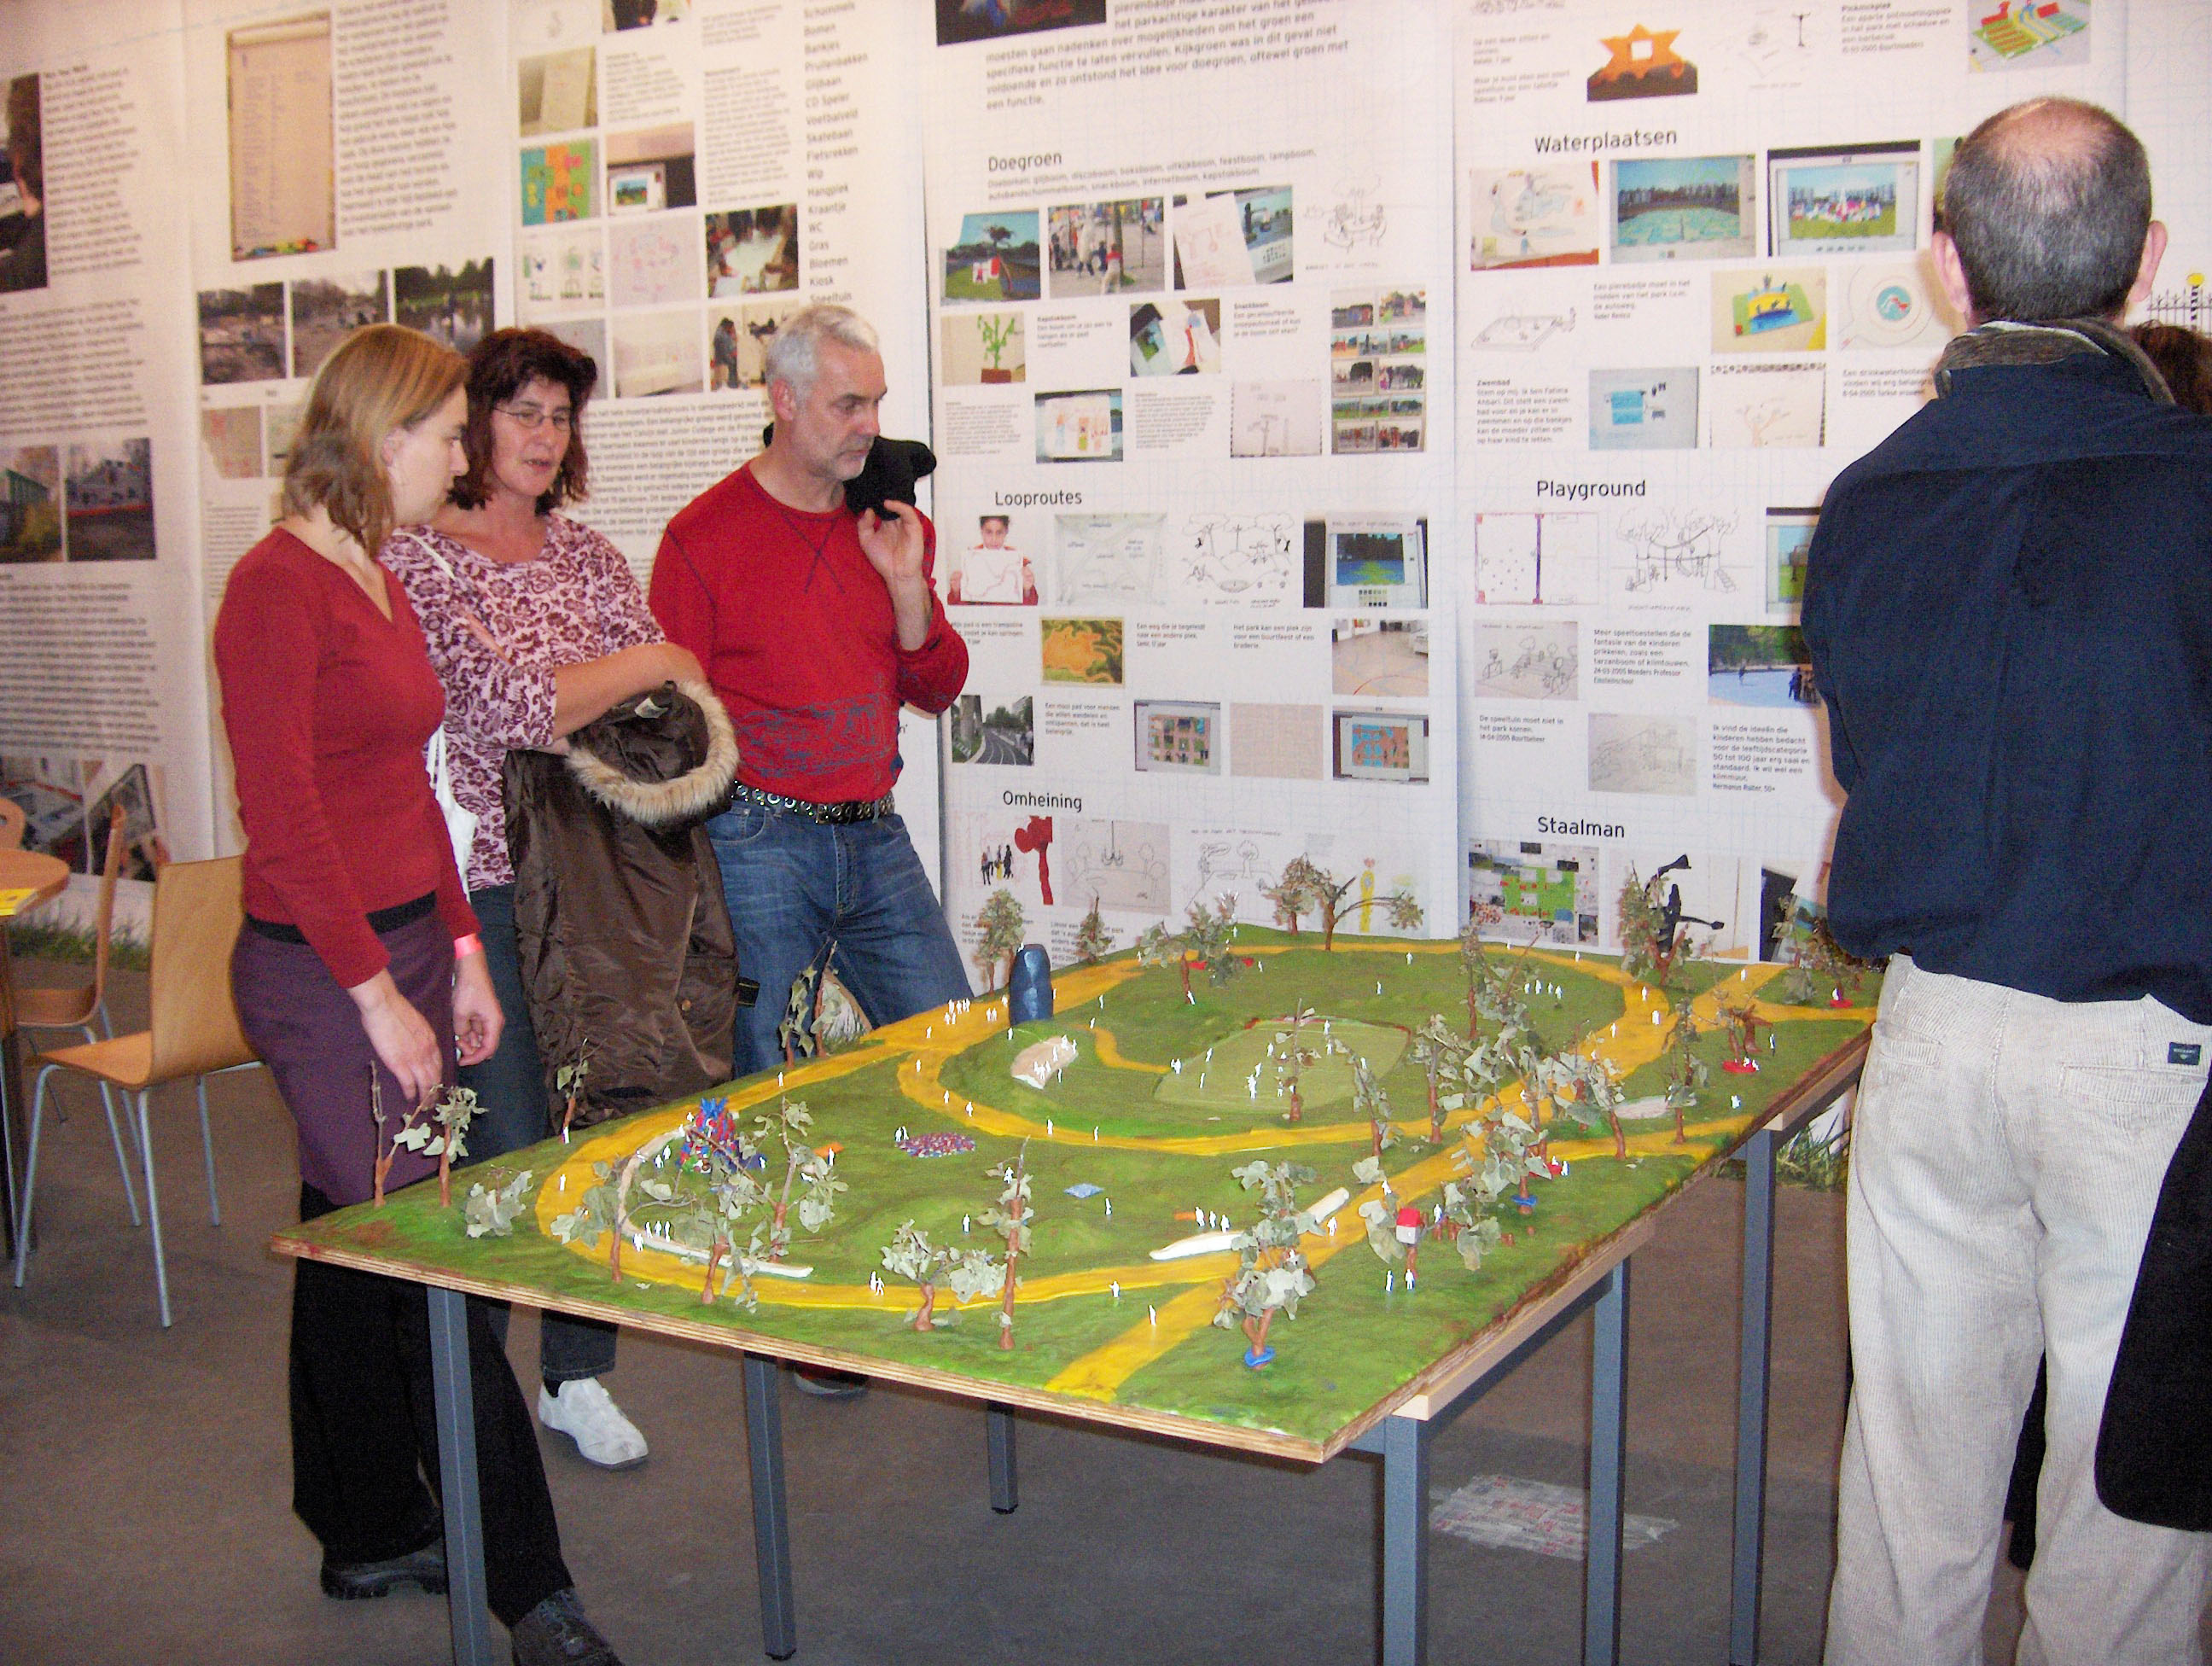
(381, 377)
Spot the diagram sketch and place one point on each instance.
(1536, 558)
(1667, 550)
(1535, 661)
(1635, 752)
(1765, 404)
(1522, 333)
(653, 264)
(1237, 560)
(1107, 557)
(1351, 219)
(1122, 865)
(1277, 419)
(1890, 305)
(1544, 215)
(1237, 864)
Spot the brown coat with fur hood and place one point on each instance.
(625, 943)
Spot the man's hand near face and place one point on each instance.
(895, 547)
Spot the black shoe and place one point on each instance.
(827, 1384)
(424, 1569)
(556, 1634)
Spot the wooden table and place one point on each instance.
(26, 880)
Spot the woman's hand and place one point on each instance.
(477, 1020)
(402, 1037)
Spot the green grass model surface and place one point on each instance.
(1165, 1096)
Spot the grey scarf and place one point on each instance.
(2003, 342)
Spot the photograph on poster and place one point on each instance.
(656, 353)
(995, 257)
(1100, 247)
(993, 732)
(1788, 539)
(242, 334)
(2016, 34)
(1760, 666)
(585, 335)
(23, 188)
(1891, 306)
(31, 513)
(1643, 752)
(737, 340)
(1759, 405)
(557, 92)
(1107, 558)
(1643, 409)
(1248, 560)
(1548, 893)
(1277, 418)
(1081, 651)
(137, 790)
(1526, 661)
(651, 169)
(1664, 554)
(230, 441)
(1178, 737)
(654, 263)
(455, 306)
(1545, 214)
(1683, 208)
(1779, 310)
(992, 572)
(279, 425)
(1122, 865)
(1276, 742)
(1081, 427)
(982, 348)
(110, 499)
(640, 13)
(284, 188)
(1005, 848)
(559, 182)
(1850, 199)
(1547, 557)
(753, 250)
(1379, 745)
(1642, 63)
(1375, 561)
(1174, 337)
(561, 271)
(1372, 657)
(1228, 238)
(959, 20)
(326, 309)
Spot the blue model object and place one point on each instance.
(1259, 1359)
(1029, 991)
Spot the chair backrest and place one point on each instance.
(103, 919)
(12, 823)
(197, 916)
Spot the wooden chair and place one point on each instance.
(12, 823)
(195, 1032)
(39, 1007)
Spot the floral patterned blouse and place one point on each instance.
(497, 631)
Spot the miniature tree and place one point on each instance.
(788, 1125)
(1204, 941)
(1291, 1056)
(795, 1031)
(1002, 924)
(1295, 893)
(1686, 1072)
(1093, 938)
(1331, 895)
(1369, 1099)
(1821, 969)
(1443, 1058)
(1597, 1096)
(453, 1113)
(1271, 1273)
(1653, 936)
(1744, 1025)
(911, 1255)
(1010, 1217)
(568, 1083)
(490, 1211)
(388, 1154)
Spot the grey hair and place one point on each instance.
(794, 354)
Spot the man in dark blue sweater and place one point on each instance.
(2009, 605)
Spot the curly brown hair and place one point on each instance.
(503, 365)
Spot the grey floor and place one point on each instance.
(145, 1481)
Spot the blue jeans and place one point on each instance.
(512, 1112)
(794, 885)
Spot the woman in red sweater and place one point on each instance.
(360, 960)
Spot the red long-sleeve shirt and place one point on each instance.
(797, 635)
(328, 705)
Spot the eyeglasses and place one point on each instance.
(534, 417)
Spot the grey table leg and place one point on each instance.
(1608, 1439)
(457, 1473)
(999, 1435)
(1751, 1396)
(1405, 1542)
(771, 1518)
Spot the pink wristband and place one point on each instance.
(466, 946)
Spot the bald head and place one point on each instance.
(2049, 204)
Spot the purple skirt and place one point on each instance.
(308, 1031)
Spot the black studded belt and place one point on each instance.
(851, 809)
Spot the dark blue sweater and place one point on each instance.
(2010, 607)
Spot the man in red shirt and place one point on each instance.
(815, 625)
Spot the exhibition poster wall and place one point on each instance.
(1385, 434)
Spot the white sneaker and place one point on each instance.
(586, 1412)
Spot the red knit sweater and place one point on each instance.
(797, 635)
(328, 705)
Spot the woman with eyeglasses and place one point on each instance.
(536, 626)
